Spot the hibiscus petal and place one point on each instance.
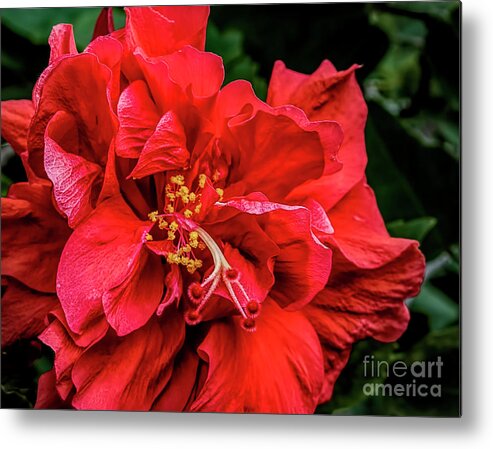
(104, 24)
(102, 253)
(186, 82)
(129, 305)
(138, 117)
(75, 180)
(358, 304)
(277, 369)
(61, 42)
(92, 334)
(180, 387)
(94, 118)
(308, 151)
(233, 98)
(16, 117)
(303, 265)
(327, 95)
(174, 289)
(109, 52)
(203, 72)
(163, 30)
(66, 354)
(360, 233)
(24, 312)
(48, 397)
(251, 252)
(33, 236)
(130, 370)
(165, 150)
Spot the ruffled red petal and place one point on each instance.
(180, 387)
(303, 264)
(277, 369)
(100, 266)
(95, 119)
(24, 312)
(358, 304)
(327, 95)
(166, 149)
(308, 151)
(162, 30)
(76, 181)
(131, 371)
(33, 236)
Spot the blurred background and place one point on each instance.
(410, 77)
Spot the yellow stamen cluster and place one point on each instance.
(175, 192)
(183, 193)
(173, 227)
(178, 180)
(153, 216)
(202, 179)
(193, 239)
(183, 257)
(220, 192)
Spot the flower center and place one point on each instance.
(186, 239)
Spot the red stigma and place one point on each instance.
(248, 324)
(253, 307)
(192, 317)
(232, 274)
(195, 292)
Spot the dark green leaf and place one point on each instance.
(416, 229)
(437, 306)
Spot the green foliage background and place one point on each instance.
(410, 54)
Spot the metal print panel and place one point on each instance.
(242, 209)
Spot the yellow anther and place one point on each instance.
(171, 196)
(194, 243)
(188, 213)
(192, 197)
(198, 263)
(183, 194)
(170, 209)
(197, 208)
(220, 192)
(202, 179)
(153, 216)
(202, 245)
(173, 258)
(162, 223)
(171, 235)
(149, 237)
(178, 180)
(194, 235)
(173, 226)
(185, 260)
(168, 188)
(186, 249)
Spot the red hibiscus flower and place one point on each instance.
(185, 246)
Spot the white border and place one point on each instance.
(138, 430)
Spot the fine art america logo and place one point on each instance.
(416, 379)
